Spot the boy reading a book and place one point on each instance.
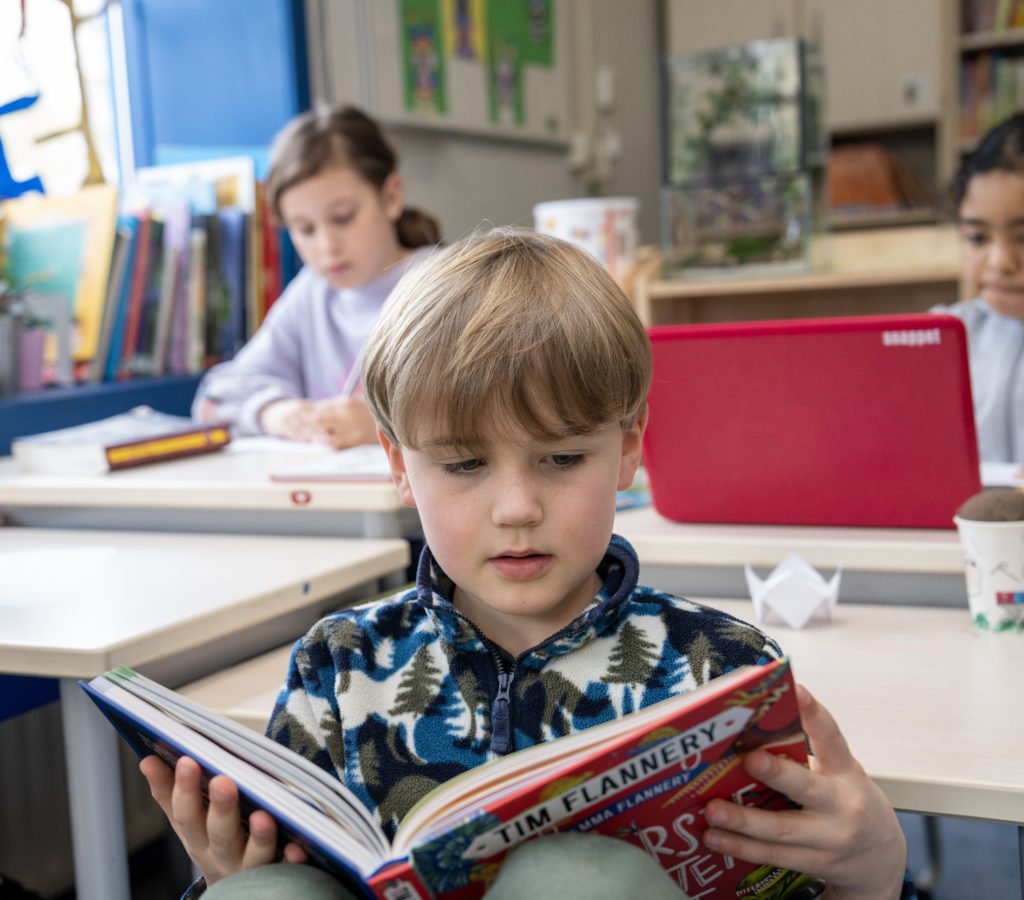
(508, 376)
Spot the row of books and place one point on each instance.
(167, 276)
(991, 15)
(991, 88)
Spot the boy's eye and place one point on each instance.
(462, 467)
(565, 460)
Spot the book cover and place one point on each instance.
(141, 435)
(142, 357)
(195, 318)
(271, 255)
(136, 294)
(643, 778)
(95, 207)
(172, 299)
(129, 225)
(232, 244)
(46, 261)
(118, 267)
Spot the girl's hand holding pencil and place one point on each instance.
(340, 422)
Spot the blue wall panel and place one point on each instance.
(212, 78)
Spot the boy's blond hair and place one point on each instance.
(507, 327)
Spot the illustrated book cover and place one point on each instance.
(141, 435)
(643, 778)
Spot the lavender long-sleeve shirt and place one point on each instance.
(995, 352)
(306, 347)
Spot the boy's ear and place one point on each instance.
(398, 471)
(392, 196)
(632, 451)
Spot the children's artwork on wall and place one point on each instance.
(495, 68)
(426, 90)
(463, 27)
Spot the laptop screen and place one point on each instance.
(862, 420)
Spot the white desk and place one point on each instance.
(880, 565)
(227, 491)
(172, 605)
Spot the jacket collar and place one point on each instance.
(619, 571)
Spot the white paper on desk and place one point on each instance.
(262, 443)
(367, 462)
(794, 591)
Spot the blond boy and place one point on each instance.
(508, 376)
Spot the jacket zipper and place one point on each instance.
(501, 720)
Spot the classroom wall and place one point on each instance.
(466, 179)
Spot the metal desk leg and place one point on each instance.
(1020, 855)
(385, 525)
(94, 793)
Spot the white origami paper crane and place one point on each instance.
(794, 591)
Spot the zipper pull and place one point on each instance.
(501, 725)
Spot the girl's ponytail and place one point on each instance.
(417, 228)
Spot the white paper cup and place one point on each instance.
(606, 227)
(994, 571)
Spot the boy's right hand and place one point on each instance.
(213, 837)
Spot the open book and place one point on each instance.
(643, 778)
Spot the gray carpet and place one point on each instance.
(979, 860)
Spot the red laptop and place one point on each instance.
(862, 420)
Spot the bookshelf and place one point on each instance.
(990, 66)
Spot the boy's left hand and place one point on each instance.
(846, 833)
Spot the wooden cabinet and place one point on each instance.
(877, 271)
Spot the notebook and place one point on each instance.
(862, 420)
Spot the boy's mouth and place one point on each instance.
(520, 565)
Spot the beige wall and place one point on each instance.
(465, 180)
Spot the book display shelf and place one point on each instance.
(991, 66)
(47, 410)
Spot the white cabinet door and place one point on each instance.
(885, 60)
(693, 25)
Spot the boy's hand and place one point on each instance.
(213, 838)
(846, 833)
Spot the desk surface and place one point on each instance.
(229, 479)
(76, 603)
(930, 707)
(226, 491)
(660, 541)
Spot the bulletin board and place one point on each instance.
(497, 68)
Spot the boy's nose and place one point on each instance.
(516, 504)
